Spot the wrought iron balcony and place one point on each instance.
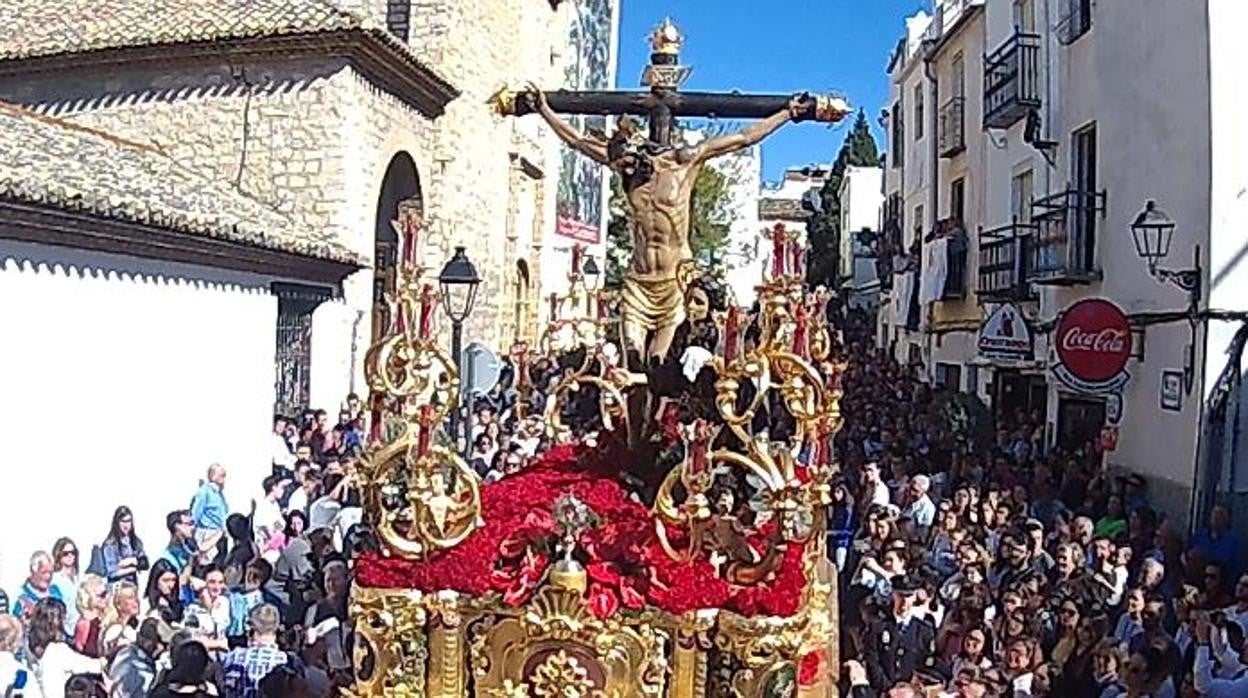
(1063, 251)
(953, 127)
(1004, 256)
(1012, 80)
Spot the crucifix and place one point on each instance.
(658, 173)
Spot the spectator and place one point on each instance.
(15, 677)
(1217, 544)
(38, 585)
(189, 675)
(66, 567)
(122, 551)
(133, 671)
(244, 668)
(181, 546)
(164, 592)
(122, 624)
(54, 661)
(267, 518)
(92, 603)
(209, 511)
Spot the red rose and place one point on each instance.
(812, 668)
(602, 601)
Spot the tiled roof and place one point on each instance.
(47, 29)
(781, 210)
(54, 163)
(34, 28)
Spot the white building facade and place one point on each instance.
(861, 197)
(1031, 134)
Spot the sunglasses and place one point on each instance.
(68, 552)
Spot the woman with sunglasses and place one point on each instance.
(65, 570)
(122, 551)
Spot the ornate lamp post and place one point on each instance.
(1152, 231)
(459, 281)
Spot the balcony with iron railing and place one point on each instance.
(952, 136)
(1063, 250)
(1012, 80)
(1004, 256)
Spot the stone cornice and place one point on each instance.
(375, 54)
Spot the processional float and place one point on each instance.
(557, 581)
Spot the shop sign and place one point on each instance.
(1093, 343)
(1109, 439)
(1005, 336)
(1172, 390)
(1113, 409)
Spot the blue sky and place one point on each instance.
(777, 46)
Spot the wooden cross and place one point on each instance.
(663, 101)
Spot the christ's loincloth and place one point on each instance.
(653, 301)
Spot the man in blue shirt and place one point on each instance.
(1218, 544)
(209, 511)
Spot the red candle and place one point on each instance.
(795, 253)
(576, 259)
(730, 333)
(520, 357)
(413, 240)
(777, 250)
(800, 345)
(426, 312)
(602, 306)
(375, 419)
(426, 429)
(700, 446)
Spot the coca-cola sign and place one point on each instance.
(1093, 342)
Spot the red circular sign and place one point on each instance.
(1093, 340)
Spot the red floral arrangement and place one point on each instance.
(626, 565)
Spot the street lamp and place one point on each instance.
(1153, 230)
(459, 281)
(591, 276)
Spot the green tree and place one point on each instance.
(709, 225)
(823, 229)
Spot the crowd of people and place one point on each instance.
(1018, 570)
(232, 605)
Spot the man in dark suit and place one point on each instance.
(901, 643)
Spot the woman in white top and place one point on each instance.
(53, 660)
(65, 569)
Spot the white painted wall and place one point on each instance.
(121, 380)
(861, 196)
(743, 255)
(1228, 222)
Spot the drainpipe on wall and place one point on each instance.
(933, 193)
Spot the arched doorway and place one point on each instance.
(399, 205)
